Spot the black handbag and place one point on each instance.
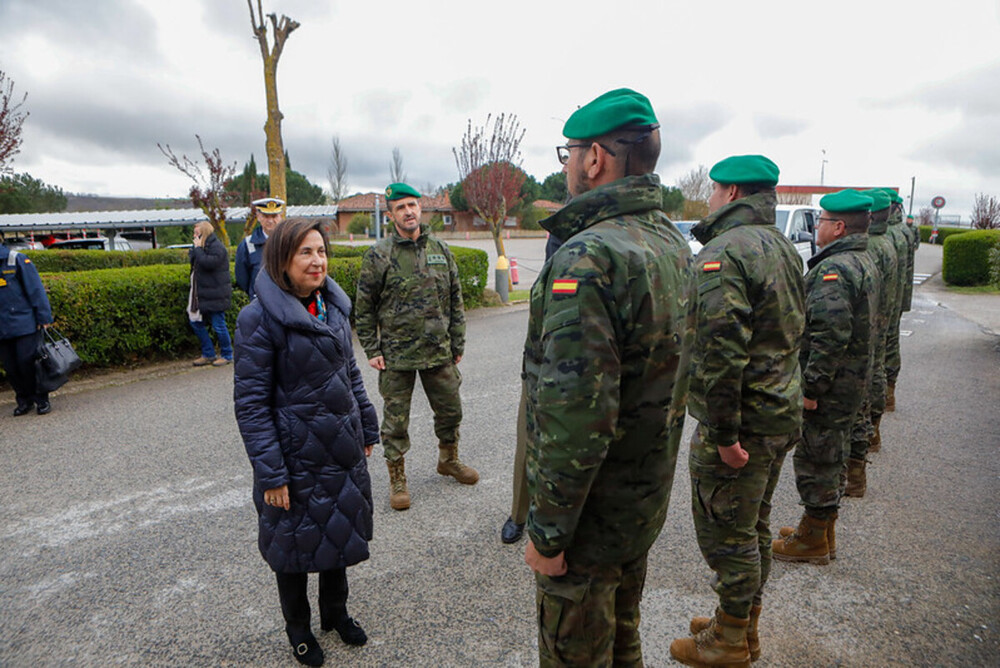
(56, 359)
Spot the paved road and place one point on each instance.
(128, 535)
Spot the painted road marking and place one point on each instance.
(920, 278)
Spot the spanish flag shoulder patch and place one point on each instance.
(830, 277)
(712, 266)
(564, 286)
(27, 261)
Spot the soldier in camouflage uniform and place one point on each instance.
(903, 241)
(866, 424)
(605, 367)
(410, 320)
(836, 360)
(746, 394)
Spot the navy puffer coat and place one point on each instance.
(305, 419)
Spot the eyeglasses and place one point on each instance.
(562, 152)
(834, 220)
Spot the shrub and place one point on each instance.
(87, 260)
(529, 221)
(966, 257)
(120, 317)
(943, 233)
(343, 250)
(995, 267)
(360, 223)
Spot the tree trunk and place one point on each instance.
(272, 129)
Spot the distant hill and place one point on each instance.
(76, 203)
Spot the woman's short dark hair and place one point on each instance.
(282, 244)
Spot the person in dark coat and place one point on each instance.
(308, 427)
(211, 294)
(250, 253)
(24, 311)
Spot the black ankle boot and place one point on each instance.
(349, 630)
(306, 649)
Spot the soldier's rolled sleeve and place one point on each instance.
(829, 322)
(576, 410)
(366, 304)
(725, 326)
(456, 325)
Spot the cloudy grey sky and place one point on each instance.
(890, 90)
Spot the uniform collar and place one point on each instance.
(756, 209)
(852, 242)
(624, 196)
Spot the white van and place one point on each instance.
(798, 223)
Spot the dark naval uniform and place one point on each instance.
(409, 310)
(746, 387)
(249, 257)
(610, 326)
(24, 308)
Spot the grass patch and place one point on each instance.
(519, 295)
(974, 289)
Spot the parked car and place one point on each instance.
(93, 243)
(23, 243)
(798, 223)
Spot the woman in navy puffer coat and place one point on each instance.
(308, 426)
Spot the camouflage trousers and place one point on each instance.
(732, 515)
(441, 385)
(520, 499)
(861, 431)
(819, 461)
(893, 360)
(590, 615)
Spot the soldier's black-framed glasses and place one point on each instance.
(832, 220)
(562, 152)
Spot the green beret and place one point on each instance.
(846, 201)
(740, 169)
(893, 195)
(395, 191)
(616, 109)
(880, 200)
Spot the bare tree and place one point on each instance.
(986, 212)
(696, 185)
(336, 171)
(11, 120)
(926, 216)
(489, 168)
(209, 190)
(396, 173)
(272, 129)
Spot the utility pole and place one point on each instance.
(913, 183)
(378, 220)
(822, 167)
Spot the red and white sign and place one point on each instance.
(938, 202)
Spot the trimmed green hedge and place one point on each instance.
(943, 233)
(966, 257)
(995, 267)
(120, 317)
(87, 260)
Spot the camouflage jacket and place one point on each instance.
(609, 334)
(883, 252)
(745, 374)
(904, 259)
(838, 348)
(912, 236)
(409, 303)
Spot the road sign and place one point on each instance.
(938, 202)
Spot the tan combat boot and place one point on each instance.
(450, 464)
(890, 398)
(831, 535)
(875, 440)
(857, 482)
(399, 497)
(806, 544)
(722, 643)
(699, 624)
